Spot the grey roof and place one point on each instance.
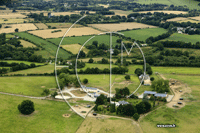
(91, 88)
(123, 102)
(150, 92)
(160, 95)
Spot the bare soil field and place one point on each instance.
(177, 19)
(26, 44)
(21, 27)
(63, 25)
(121, 26)
(74, 31)
(168, 12)
(12, 15)
(41, 26)
(74, 48)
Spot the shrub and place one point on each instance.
(54, 94)
(136, 116)
(46, 92)
(85, 81)
(26, 107)
(127, 77)
(152, 78)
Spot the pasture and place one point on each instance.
(46, 118)
(41, 26)
(49, 47)
(183, 37)
(191, 4)
(186, 118)
(82, 39)
(26, 44)
(74, 48)
(165, 11)
(30, 86)
(63, 25)
(25, 62)
(111, 125)
(36, 70)
(143, 34)
(73, 32)
(21, 27)
(120, 26)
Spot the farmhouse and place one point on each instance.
(119, 103)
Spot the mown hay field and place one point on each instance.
(12, 15)
(21, 27)
(177, 19)
(13, 20)
(121, 13)
(41, 26)
(196, 18)
(121, 26)
(62, 13)
(164, 11)
(26, 44)
(72, 32)
(63, 25)
(74, 48)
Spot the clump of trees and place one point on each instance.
(121, 93)
(26, 107)
(160, 86)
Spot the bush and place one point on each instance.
(127, 77)
(85, 81)
(136, 116)
(152, 78)
(46, 92)
(54, 94)
(16, 30)
(26, 107)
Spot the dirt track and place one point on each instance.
(176, 88)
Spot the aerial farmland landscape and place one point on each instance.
(100, 66)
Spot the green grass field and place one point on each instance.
(51, 48)
(186, 118)
(47, 117)
(25, 62)
(82, 39)
(191, 4)
(185, 38)
(143, 34)
(37, 70)
(30, 86)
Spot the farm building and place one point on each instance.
(150, 93)
(89, 89)
(119, 103)
(146, 80)
(160, 95)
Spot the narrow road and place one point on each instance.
(11, 94)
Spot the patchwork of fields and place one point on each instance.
(49, 47)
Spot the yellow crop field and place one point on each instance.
(21, 27)
(121, 26)
(177, 19)
(26, 44)
(74, 48)
(74, 31)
